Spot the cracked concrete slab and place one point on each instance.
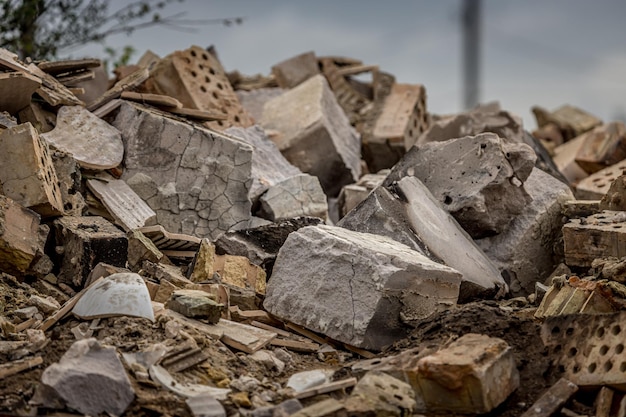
(196, 180)
(369, 284)
(300, 195)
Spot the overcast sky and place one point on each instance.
(534, 52)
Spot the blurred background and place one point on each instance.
(545, 53)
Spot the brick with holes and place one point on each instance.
(597, 236)
(27, 174)
(596, 185)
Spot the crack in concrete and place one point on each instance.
(352, 296)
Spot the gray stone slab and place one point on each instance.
(196, 180)
(524, 252)
(314, 133)
(356, 287)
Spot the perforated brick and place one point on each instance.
(27, 174)
(595, 186)
(596, 236)
(589, 348)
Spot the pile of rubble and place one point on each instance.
(191, 242)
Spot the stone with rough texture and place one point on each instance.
(524, 252)
(352, 194)
(570, 120)
(269, 166)
(597, 236)
(91, 379)
(603, 146)
(203, 405)
(478, 179)
(293, 71)
(615, 197)
(300, 195)
(20, 243)
(196, 180)
(368, 283)
(314, 134)
(473, 375)
(27, 173)
(254, 100)
(596, 185)
(92, 142)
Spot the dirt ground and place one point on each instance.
(512, 323)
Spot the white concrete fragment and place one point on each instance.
(355, 287)
(304, 380)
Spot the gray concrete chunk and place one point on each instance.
(314, 134)
(300, 195)
(524, 251)
(91, 379)
(368, 283)
(478, 179)
(196, 180)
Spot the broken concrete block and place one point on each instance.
(196, 78)
(597, 236)
(381, 394)
(420, 214)
(596, 185)
(140, 249)
(571, 120)
(47, 305)
(314, 134)
(83, 242)
(28, 175)
(163, 272)
(16, 89)
(576, 296)
(524, 251)
(126, 207)
(70, 183)
(91, 379)
(92, 142)
(473, 375)
(20, 242)
(254, 100)
(603, 146)
(196, 181)
(300, 195)
(565, 159)
(269, 166)
(194, 303)
(237, 271)
(294, 71)
(403, 117)
(382, 279)
(203, 266)
(261, 244)
(478, 179)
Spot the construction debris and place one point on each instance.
(214, 231)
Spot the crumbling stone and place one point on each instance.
(28, 175)
(70, 184)
(83, 242)
(525, 251)
(381, 394)
(91, 379)
(478, 179)
(20, 242)
(196, 181)
(314, 134)
(294, 71)
(570, 120)
(382, 279)
(140, 249)
(300, 195)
